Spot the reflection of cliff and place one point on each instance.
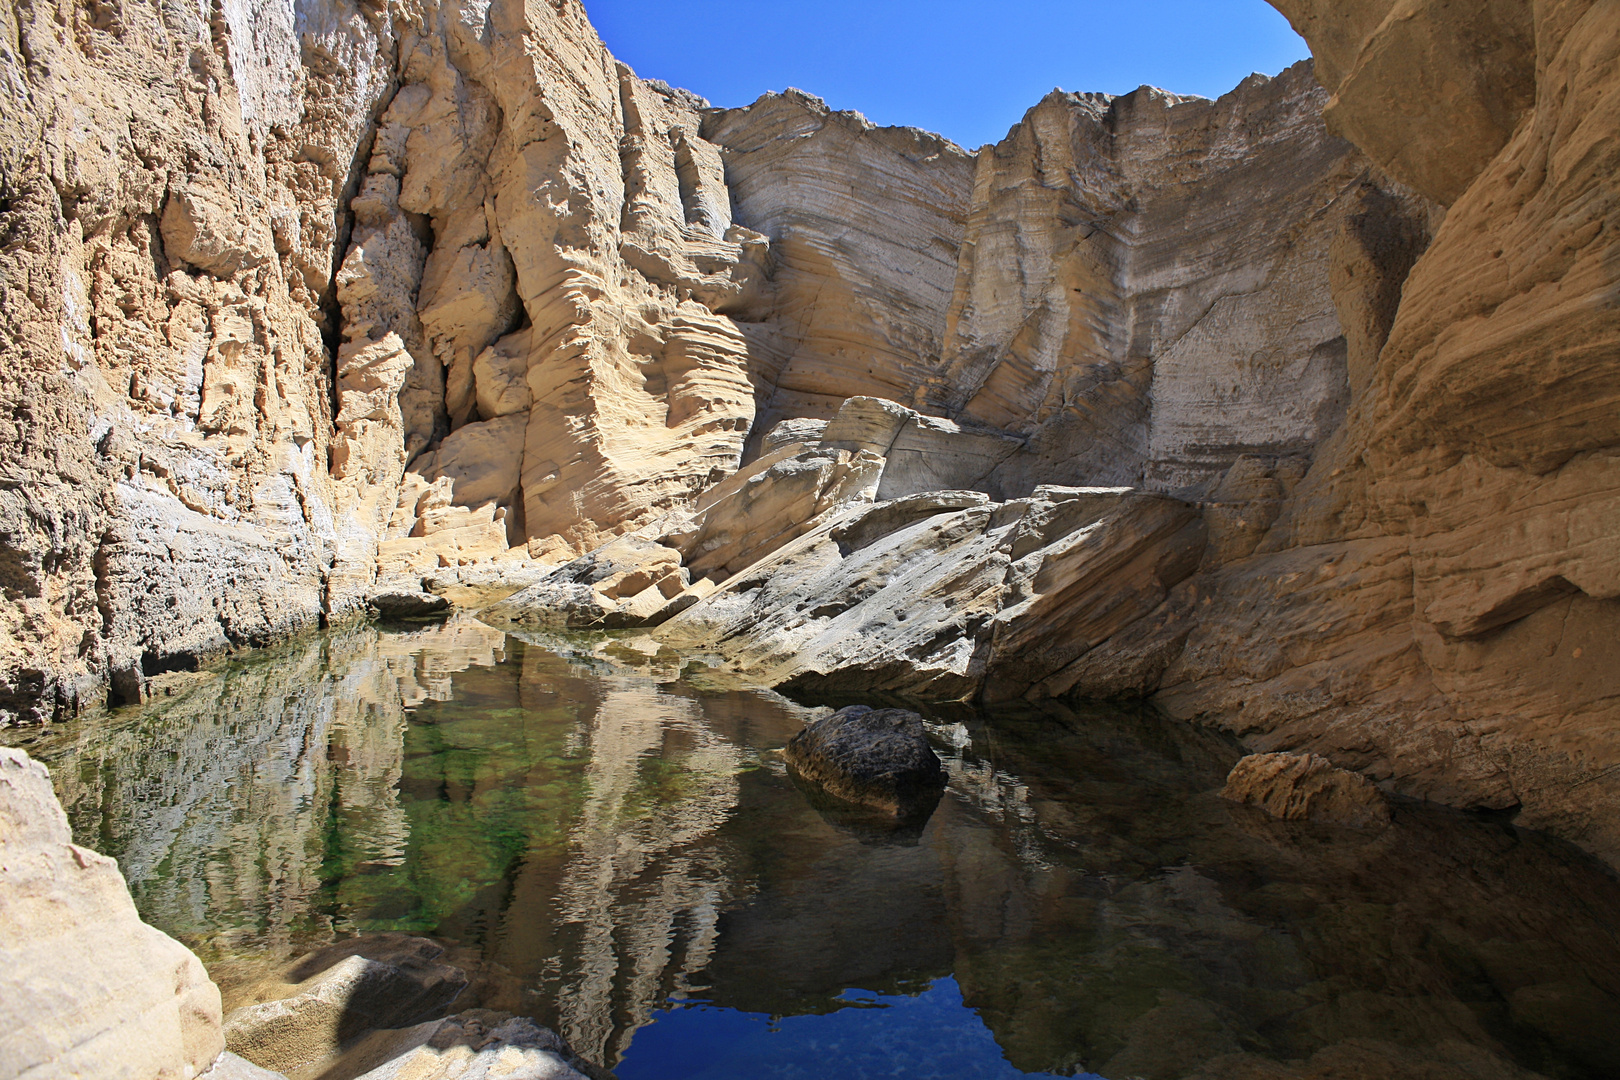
(1164, 934)
(645, 868)
(594, 836)
(243, 794)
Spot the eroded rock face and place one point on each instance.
(87, 988)
(309, 312)
(1430, 606)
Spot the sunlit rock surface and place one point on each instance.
(309, 311)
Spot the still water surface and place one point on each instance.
(611, 842)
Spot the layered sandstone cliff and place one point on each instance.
(1294, 410)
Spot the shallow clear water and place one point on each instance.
(608, 841)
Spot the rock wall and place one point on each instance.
(306, 304)
(303, 296)
(1437, 602)
(1143, 294)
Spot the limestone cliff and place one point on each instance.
(259, 265)
(1294, 410)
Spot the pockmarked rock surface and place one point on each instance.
(874, 757)
(86, 988)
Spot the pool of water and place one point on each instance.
(607, 837)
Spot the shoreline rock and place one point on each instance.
(86, 987)
(879, 758)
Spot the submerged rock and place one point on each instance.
(341, 997)
(874, 757)
(1306, 787)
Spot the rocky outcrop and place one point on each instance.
(1429, 90)
(280, 287)
(872, 757)
(389, 981)
(1430, 606)
(372, 1008)
(798, 573)
(304, 315)
(87, 988)
(865, 224)
(1305, 787)
(475, 1045)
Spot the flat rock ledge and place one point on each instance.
(879, 758)
(1306, 787)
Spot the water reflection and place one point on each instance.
(601, 837)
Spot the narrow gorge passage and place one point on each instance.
(499, 553)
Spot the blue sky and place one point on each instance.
(965, 69)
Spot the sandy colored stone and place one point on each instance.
(1428, 89)
(229, 1066)
(255, 376)
(335, 997)
(1306, 787)
(87, 989)
(476, 1045)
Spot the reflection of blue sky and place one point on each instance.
(932, 1036)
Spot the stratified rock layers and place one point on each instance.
(307, 307)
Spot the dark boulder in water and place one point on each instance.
(878, 758)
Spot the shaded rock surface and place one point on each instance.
(1305, 787)
(87, 988)
(875, 757)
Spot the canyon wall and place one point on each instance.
(310, 301)
(1439, 600)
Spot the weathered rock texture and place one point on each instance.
(1370, 439)
(392, 981)
(302, 297)
(875, 757)
(314, 305)
(86, 988)
(1305, 787)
